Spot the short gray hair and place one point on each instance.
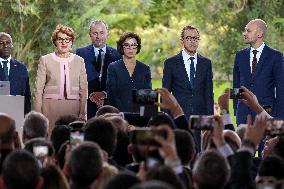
(6, 34)
(97, 21)
(35, 125)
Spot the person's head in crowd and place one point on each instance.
(59, 135)
(152, 184)
(232, 139)
(65, 120)
(103, 133)
(120, 124)
(8, 134)
(108, 171)
(53, 178)
(279, 147)
(85, 164)
(165, 174)
(123, 180)
(41, 142)
(35, 125)
(186, 152)
(106, 109)
(211, 171)
(161, 119)
(98, 31)
(9, 139)
(272, 166)
(6, 45)
(190, 39)
(129, 44)
(241, 130)
(269, 146)
(21, 170)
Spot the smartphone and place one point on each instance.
(275, 127)
(201, 122)
(40, 151)
(145, 96)
(236, 93)
(76, 138)
(145, 136)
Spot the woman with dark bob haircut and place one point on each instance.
(127, 74)
(61, 82)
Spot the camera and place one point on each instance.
(145, 96)
(40, 151)
(236, 93)
(275, 127)
(201, 122)
(76, 138)
(145, 136)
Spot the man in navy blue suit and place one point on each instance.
(188, 75)
(97, 57)
(260, 69)
(14, 71)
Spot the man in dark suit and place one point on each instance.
(97, 57)
(260, 69)
(188, 75)
(14, 71)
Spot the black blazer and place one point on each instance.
(19, 82)
(193, 100)
(120, 84)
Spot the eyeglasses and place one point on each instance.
(65, 40)
(4, 43)
(128, 46)
(192, 39)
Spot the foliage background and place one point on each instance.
(158, 22)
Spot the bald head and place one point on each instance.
(232, 138)
(7, 128)
(260, 24)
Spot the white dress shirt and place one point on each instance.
(8, 64)
(259, 51)
(97, 50)
(186, 59)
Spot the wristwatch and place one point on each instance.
(224, 111)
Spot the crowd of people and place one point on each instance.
(81, 132)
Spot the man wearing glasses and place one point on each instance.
(188, 75)
(14, 71)
(97, 57)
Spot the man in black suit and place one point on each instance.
(188, 75)
(97, 57)
(14, 71)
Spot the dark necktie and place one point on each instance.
(5, 69)
(192, 70)
(254, 61)
(99, 61)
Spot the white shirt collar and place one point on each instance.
(186, 56)
(97, 50)
(2, 59)
(259, 49)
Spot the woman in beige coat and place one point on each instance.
(61, 82)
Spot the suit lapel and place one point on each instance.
(91, 54)
(182, 70)
(13, 70)
(262, 60)
(199, 69)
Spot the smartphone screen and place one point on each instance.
(76, 138)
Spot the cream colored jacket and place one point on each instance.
(50, 80)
